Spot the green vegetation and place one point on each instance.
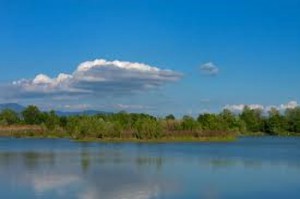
(143, 127)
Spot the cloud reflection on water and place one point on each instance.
(91, 176)
(133, 171)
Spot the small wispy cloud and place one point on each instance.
(281, 107)
(131, 107)
(77, 106)
(209, 68)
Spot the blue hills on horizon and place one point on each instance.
(19, 108)
(13, 106)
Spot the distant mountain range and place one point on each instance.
(13, 106)
(84, 112)
(19, 108)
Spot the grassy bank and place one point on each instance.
(35, 131)
(161, 140)
(22, 131)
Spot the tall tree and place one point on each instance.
(253, 119)
(230, 121)
(32, 115)
(9, 117)
(51, 120)
(275, 124)
(293, 119)
(190, 124)
(170, 117)
(209, 121)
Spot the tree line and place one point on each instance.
(144, 126)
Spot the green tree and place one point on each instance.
(32, 115)
(190, 124)
(51, 120)
(73, 126)
(210, 122)
(229, 121)
(275, 124)
(147, 128)
(253, 119)
(170, 117)
(9, 117)
(293, 119)
(124, 120)
(63, 121)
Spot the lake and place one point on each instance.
(262, 167)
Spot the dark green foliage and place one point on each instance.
(230, 122)
(73, 126)
(275, 124)
(63, 120)
(210, 122)
(51, 120)
(170, 117)
(9, 117)
(253, 119)
(32, 115)
(189, 123)
(147, 128)
(293, 120)
(144, 126)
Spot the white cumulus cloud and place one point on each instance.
(290, 105)
(97, 77)
(281, 107)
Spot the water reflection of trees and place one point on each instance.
(31, 160)
(85, 160)
(90, 158)
(224, 163)
(143, 161)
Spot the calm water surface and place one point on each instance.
(57, 168)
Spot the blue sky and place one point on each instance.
(209, 54)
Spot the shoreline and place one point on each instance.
(159, 140)
(26, 131)
(131, 140)
(35, 131)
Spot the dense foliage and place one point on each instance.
(144, 126)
